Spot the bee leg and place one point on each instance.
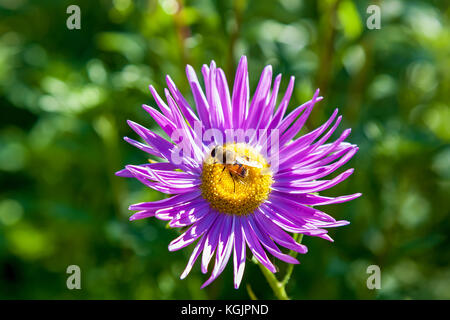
(234, 183)
(222, 173)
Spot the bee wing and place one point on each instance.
(249, 163)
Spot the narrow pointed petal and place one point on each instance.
(255, 246)
(195, 253)
(259, 99)
(194, 232)
(199, 97)
(186, 109)
(269, 244)
(224, 249)
(240, 94)
(212, 239)
(239, 252)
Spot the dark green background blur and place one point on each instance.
(65, 96)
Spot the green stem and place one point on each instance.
(251, 293)
(298, 238)
(279, 287)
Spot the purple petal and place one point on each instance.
(224, 248)
(187, 217)
(259, 99)
(314, 173)
(295, 210)
(170, 212)
(273, 100)
(167, 166)
(269, 244)
(316, 200)
(301, 154)
(169, 178)
(181, 210)
(224, 94)
(340, 150)
(255, 246)
(186, 109)
(165, 203)
(216, 113)
(278, 235)
(154, 140)
(212, 239)
(165, 124)
(183, 188)
(189, 141)
(279, 114)
(324, 184)
(142, 214)
(240, 94)
(239, 252)
(306, 139)
(143, 147)
(325, 151)
(194, 232)
(199, 97)
(298, 125)
(288, 224)
(161, 104)
(173, 179)
(195, 253)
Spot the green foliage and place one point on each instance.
(65, 96)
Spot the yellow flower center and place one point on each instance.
(240, 184)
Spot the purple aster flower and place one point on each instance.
(238, 175)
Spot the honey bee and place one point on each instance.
(236, 164)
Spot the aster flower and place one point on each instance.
(239, 178)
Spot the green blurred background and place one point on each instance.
(65, 96)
